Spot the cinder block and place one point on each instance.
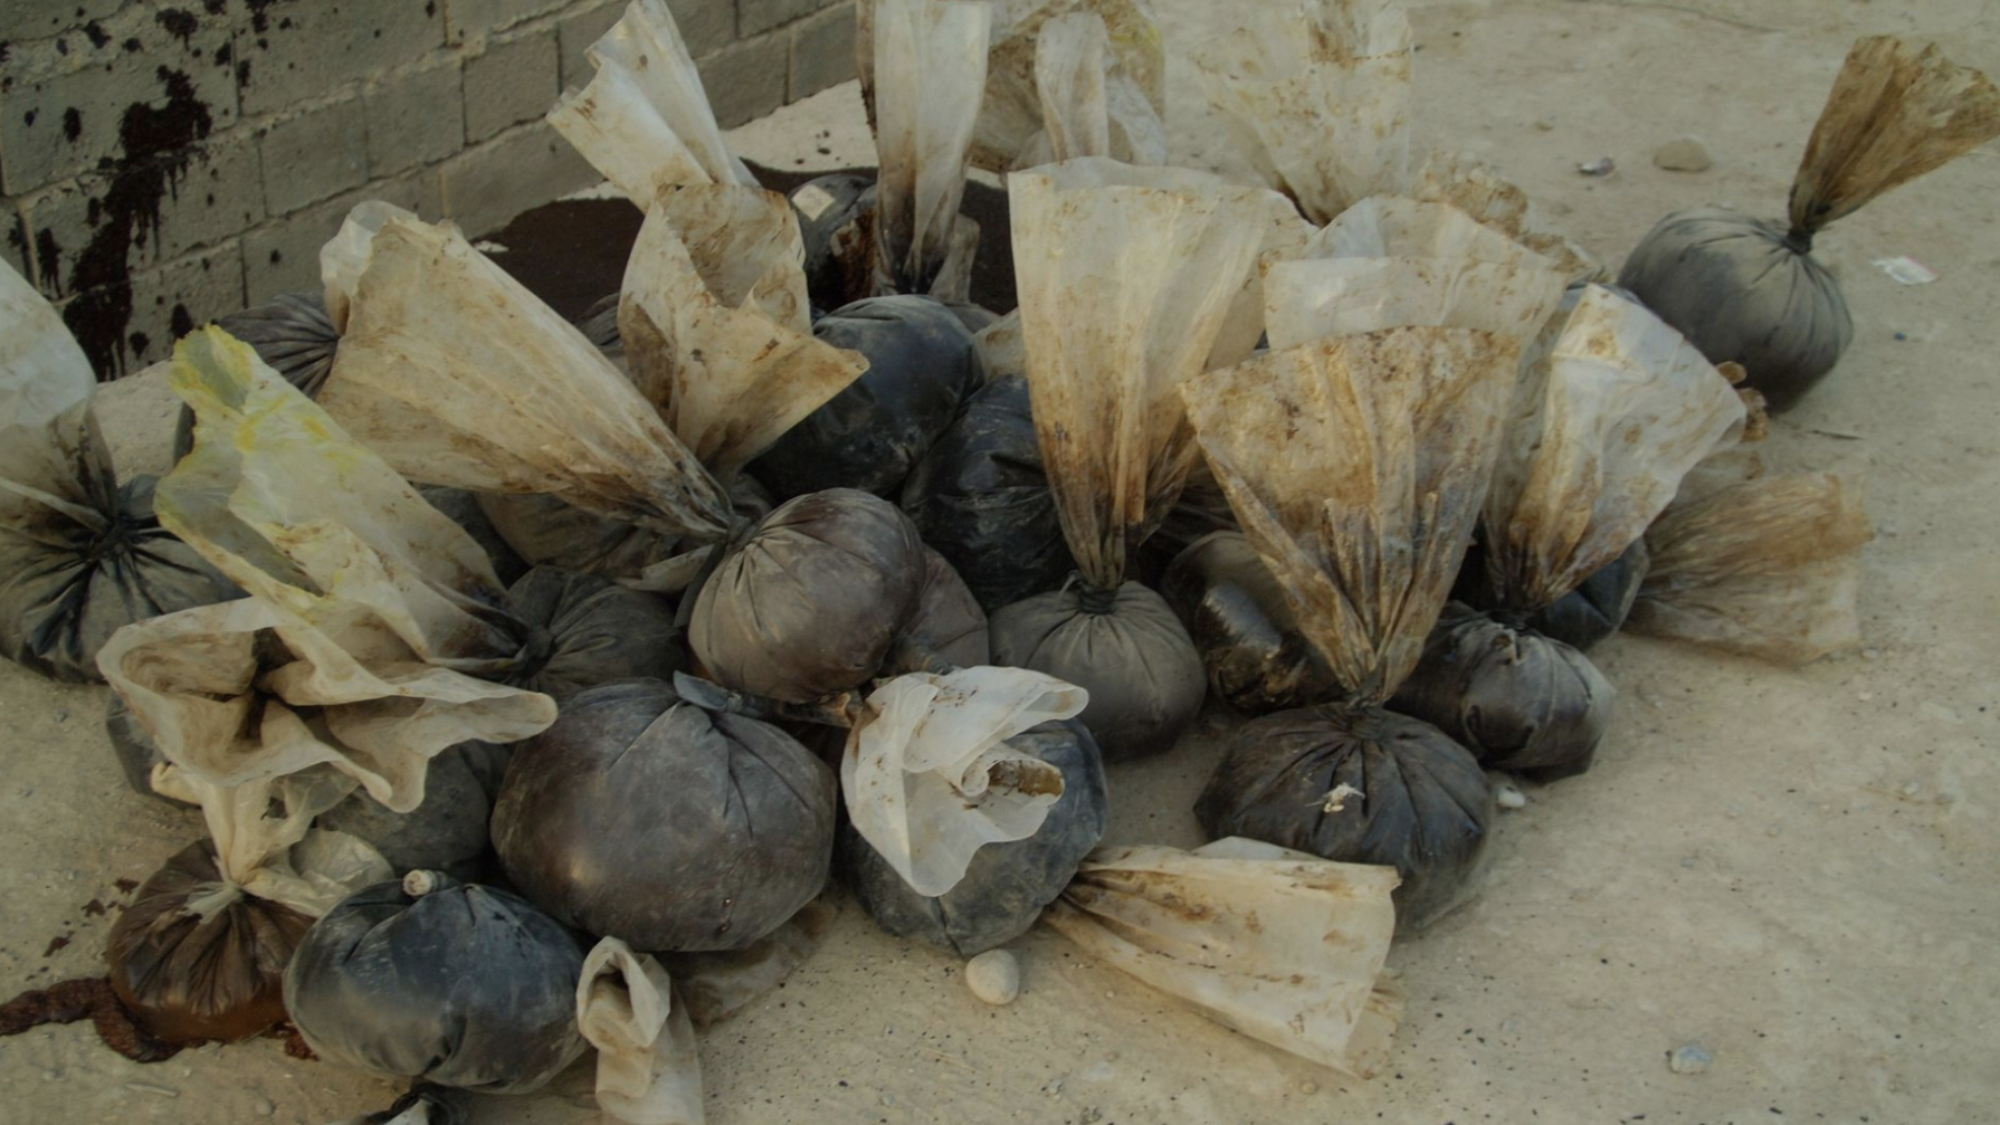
(314, 155)
(125, 328)
(470, 19)
(513, 80)
(755, 16)
(204, 199)
(526, 166)
(822, 51)
(415, 117)
(707, 25)
(282, 256)
(62, 114)
(35, 19)
(747, 80)
(295, 52)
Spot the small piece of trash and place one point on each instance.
(1336, 798)
(1689, 1058)
(1906, 271)
(1507, 796)
(149, 1088)
(488, 246)
(1602, 166)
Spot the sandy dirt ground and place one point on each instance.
(1793, 869)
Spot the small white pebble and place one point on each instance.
(1509, 797)
(1865, 696)
(1308, 1088)
(264, 1107)
(994, 976)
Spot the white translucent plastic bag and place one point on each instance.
(717, 326)
(1390, 226)
(1357, 466)
(42, 370)
(1599, 441)
(1325, 86)
(1090, 105)
(647, 1070)
(927, 777)
(1282, 946)
(370, 613)
(455, 374)
(1307, 299)
(644, 120)
(1477, 190)
(930, 72)
(1125, 288)
(1011, 114)
(266, 846)
(1768, 568)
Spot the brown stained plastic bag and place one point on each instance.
(1282, 946)
(1011, 115)
(368, 608)
(1598, 444)
(1476, 189)
(1388, 226)
(1090, 105)
(716, 324)
(930, 70)
(648, 1072)
(644, 120)
(456, 375)
(1357, 467)
(1892, 115)
(1124, 291)
(1325, 85)
(1767, 568)
(1313, 298)
(929, 776)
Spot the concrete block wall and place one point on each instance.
(165, 162)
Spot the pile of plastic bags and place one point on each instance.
(534, 690)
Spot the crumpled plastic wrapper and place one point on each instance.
(1598, 444)
(1357, 466)
(928, 779)
(1127, 276)
(43, 372)
(1325, 85)
(644, 120)
(648, 1072)
(1282, 946)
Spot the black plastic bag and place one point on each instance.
(449, 982)
(1580, 618)
(447, 832)
(293, 334)
(195, 959)
(669, 826)
(922, 364)
(1257, 659)
(549, 531)
(1361, 785)
(70, 577)
(1007, 884)
(464, 509)
(811, 601)
(834, 211)
(134, 748)
(948, 624)
(1748, 290)
(584, 630)
(981, 499)
(1124, 647)
(1518, 700)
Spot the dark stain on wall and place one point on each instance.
(157, 143)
